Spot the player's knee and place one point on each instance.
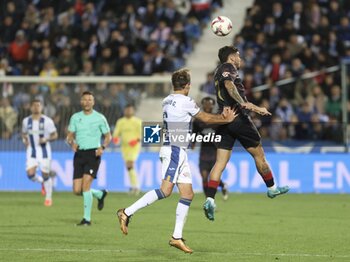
(189, 195)
(31, 176)
(162, 193)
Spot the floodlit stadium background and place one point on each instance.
(126, 53)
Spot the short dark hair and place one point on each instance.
(180, 79)
(87, 93)
(225, 51)
(36, 100)
(129, 105)
(208, 98)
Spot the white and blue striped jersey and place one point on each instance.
(36, 129)
(178, 111)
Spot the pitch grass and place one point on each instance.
(248, 227)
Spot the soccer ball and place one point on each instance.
(221, 25)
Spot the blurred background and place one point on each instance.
(296, 63)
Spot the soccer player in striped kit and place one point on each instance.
(37, 132)
(178, 110)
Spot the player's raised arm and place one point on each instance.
(227, 116)
(233, 92)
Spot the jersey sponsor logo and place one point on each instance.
(225, 74)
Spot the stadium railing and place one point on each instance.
(61, 98)
(113, 92)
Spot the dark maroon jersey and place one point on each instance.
(227, 71)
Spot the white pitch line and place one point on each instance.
(137, 251)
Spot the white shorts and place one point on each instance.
(175, 167)
(43, 163)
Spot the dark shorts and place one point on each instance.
(242, 129)
(86, 162)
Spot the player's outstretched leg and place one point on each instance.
(147, 199)
(264, 170)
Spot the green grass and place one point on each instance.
(248, 227)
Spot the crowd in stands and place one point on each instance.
(91, 38)
(286, 39)
(279, 40)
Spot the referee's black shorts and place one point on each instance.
(242, 129)
(86, 162)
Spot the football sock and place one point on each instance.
(48, 187)
(133, 178)
(146, 200)
(274, 187)
(212, 188)
(96, 193)
(221, 184)
(87, 205)
(181, 214)
(205, 188)
(36, 178)
(268, 179)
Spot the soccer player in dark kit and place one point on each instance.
(207, 153)
(230, 93)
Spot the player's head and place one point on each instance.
(181, 80)
(36, 107)
(87, 101)
(129, 110)
(208, 104)
(229, 54)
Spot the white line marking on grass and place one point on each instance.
(164, 251)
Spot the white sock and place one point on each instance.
(181, 214)
(37, 178)
(274, 187)
(146, 200)
(48, 188)
(212, 201)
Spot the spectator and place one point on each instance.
(66, 64)
(103, 32)
(8, 30)
(333, 105)
(8, 118)
(160, 63)
(284, 110)
(304, 115)
(208, 87)
(49, 70)
(298, 17)
(161, 34)
(123, 59)
(88, 69)
(18, 49)
(276, 69)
